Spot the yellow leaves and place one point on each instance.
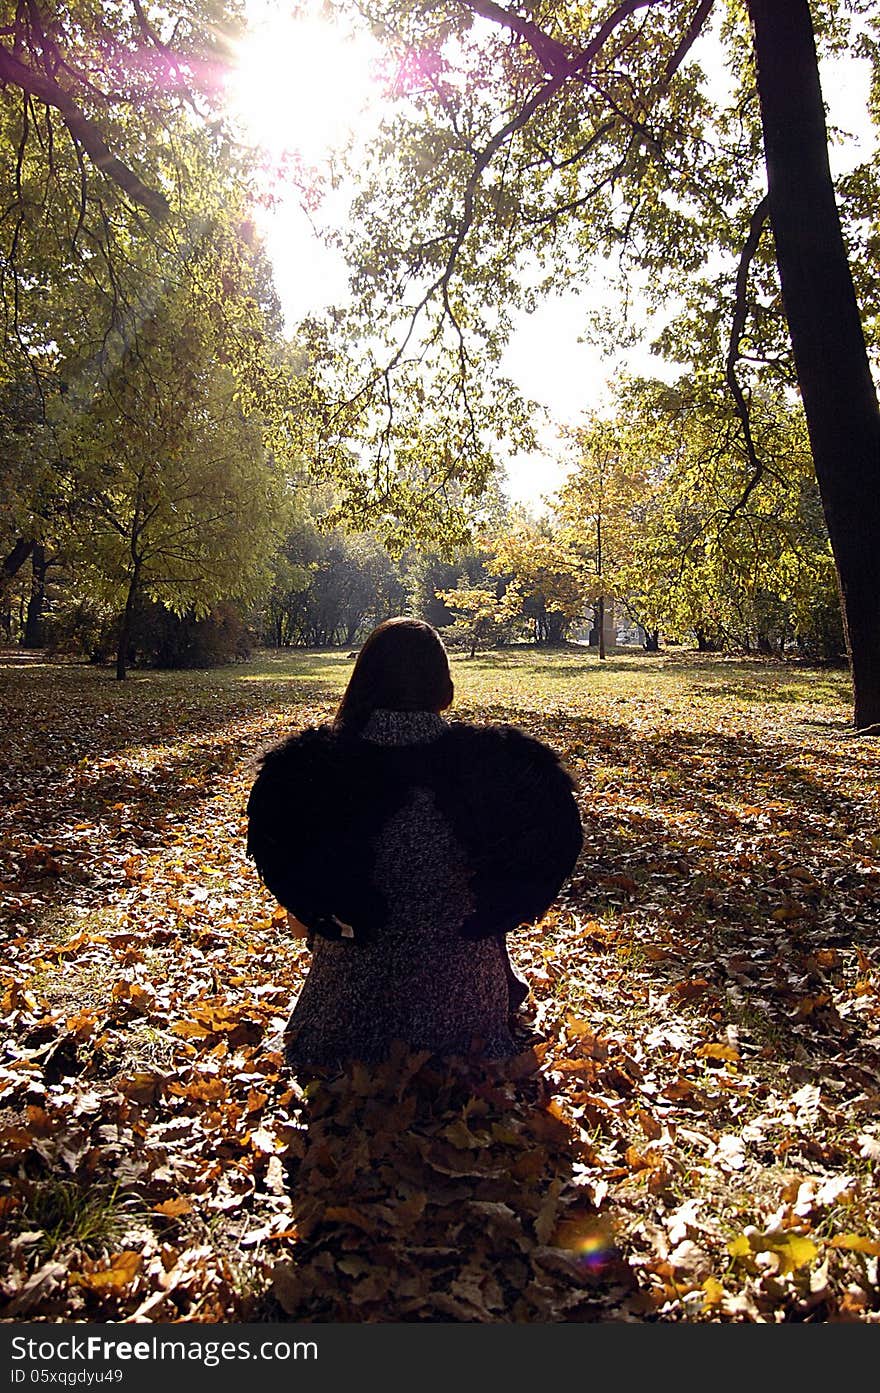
(718, 1051)
(713, 1294)
(123, 1269)
(82, 1025)
(590, 1045)
(794, 1250)
(658, 1096)
(201, 1090)
(134, 994)
(789, 1250)
(16, 997)
(211, 1021)
(855, 1243)
(652, 1159)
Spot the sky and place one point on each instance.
(307, 88)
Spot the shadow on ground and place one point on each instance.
(428, 1192)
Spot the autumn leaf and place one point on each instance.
(408, 1191)
(855, 1243)
(715, 1050)
(123, 1269)
(173, 1208)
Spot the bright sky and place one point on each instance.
(303, 87)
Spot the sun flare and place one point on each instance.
(301, 85)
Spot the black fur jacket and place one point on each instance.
(321, 797)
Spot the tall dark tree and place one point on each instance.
(833, 370)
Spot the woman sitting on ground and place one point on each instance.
(408, 846)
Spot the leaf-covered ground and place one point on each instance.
(692, 1129)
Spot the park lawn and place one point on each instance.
(692, 1130)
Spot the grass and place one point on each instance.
(65, 1214)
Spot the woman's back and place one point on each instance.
(416, 979)
(409, 846)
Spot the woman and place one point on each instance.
(408, 846)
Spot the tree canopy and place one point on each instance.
(529, 141)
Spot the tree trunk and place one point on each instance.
(652, 641)
(833, 372)
(15, 559)
(33, 624)
(600, 622)
(126, 627)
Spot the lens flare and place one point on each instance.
(587, 1237)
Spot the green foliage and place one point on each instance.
(543, 578)
(697, 542)
(528, 145)
(328, 586)
(179, 499)
(483, 618)
(141, 372)
(427, 575)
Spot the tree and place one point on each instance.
(483, 618)
(106, 83)
(116, 195)
(328, 585)
(528, 139)
(601, 507)
(658, 487)
(840, 401)
(543, 577)
(180, 501)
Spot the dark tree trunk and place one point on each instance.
(840, 403)
(600, 624)
(126, 626)
(15, 559)
(33, 624)
(556, 626)
(652, 641)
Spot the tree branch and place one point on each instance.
(83, 131)
(688, 39)
(552, 54)
(740, 311)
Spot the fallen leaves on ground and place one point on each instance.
(692, 1130)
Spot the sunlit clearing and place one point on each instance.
(301, 85)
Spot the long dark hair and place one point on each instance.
(402, 667)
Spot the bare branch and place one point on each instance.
(740, 310)
(553, 55)
(688, 39)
